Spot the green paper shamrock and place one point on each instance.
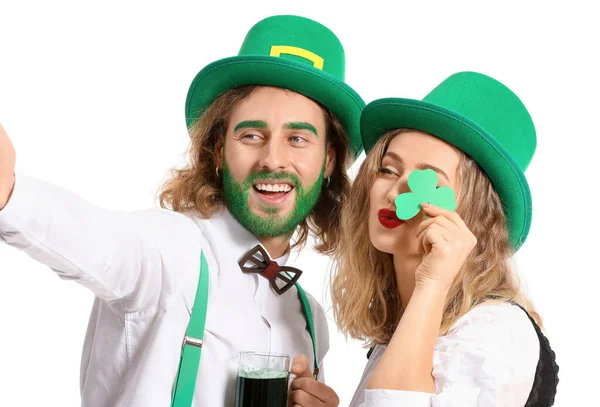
(423, 184)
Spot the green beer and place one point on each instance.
(262, 380)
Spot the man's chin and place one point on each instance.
(262, 223)
(273, 213)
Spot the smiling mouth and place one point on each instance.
(271, 192)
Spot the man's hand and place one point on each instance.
(7, 167)
(305, 391)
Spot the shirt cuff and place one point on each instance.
(396, 398)
(10, 212)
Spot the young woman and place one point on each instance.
(434, 293)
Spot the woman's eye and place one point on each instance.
(385, 170)
(250, 136)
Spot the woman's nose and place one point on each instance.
(398, 187)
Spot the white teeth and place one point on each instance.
(274, 187)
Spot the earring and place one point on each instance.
(328, 182)
(217, 172)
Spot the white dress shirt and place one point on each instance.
(487, 359)
(143, 268)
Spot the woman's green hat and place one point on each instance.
(481, 117)
(289, 52)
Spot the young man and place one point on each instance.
(273, 131)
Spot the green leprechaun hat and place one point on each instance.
(483, 118)
(289, 52)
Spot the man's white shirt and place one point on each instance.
(143, 268)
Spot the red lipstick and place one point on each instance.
(388, 219)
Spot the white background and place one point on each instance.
(93, 96)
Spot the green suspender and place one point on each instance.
(191, 349)
(310, 325)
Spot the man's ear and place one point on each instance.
(219, 146)
(330, 160)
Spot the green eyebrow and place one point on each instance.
(257, 124)
(300, 126)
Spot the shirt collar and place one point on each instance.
(227, 237)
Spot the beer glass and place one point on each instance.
(262, 379)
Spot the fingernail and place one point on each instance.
(294, 366)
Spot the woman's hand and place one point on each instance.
(445, 242)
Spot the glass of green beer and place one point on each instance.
(262, 379)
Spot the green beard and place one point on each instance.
(272, 225)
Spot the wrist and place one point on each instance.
(7, 185)
(431, 288)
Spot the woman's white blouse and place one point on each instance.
(487, 359)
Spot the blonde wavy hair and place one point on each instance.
(198, 188)
(366, 302)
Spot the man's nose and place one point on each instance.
(275, 154)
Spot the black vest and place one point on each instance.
(546, 373)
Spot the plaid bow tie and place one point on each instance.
(282, 278)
